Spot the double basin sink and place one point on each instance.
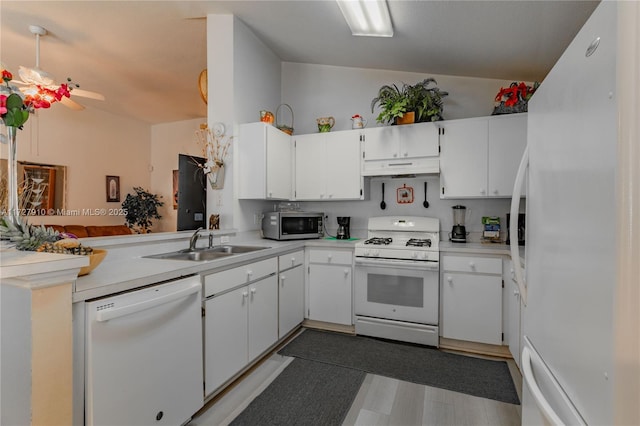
(203, 254)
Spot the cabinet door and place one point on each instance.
(419, 140)
(311, 165)
(472, 307)
(342, 169)
(263, 315)
(381, 143)
(291, 300)
(225, 340)
(279, 164)
(507, 140)
(463, 159)
(330, 294)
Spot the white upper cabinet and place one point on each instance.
(480, 156)
(327, 166)
(265, 164)
(411, 148)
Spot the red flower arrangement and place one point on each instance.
(15, 107)
(514, 98)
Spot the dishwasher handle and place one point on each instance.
(133, 308)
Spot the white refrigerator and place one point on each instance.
(581, 214)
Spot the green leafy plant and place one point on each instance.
(424, 101)
(140, 209)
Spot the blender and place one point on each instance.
(343, 228)
(458, 232)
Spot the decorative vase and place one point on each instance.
(13, 212)
(216, 176)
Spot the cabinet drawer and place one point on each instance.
(330, 256)
(221, 281)
(484, 265)
(290, 260)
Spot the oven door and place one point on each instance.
(397, 290)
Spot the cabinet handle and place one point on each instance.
(270, 194)
(293, 261)
(406, 154)
(282, 278)
(496, 192)
(253, 290)
(472, 265)
(329, 256)
(450, 279)
(483, 191)
(245, 294)
(395, 155)
(346, 272)
(516, 293)
(249, 273)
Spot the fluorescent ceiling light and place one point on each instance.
(367, 17)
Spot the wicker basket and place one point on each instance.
(283, 127)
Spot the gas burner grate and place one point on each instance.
(417, 242)
(379, 241)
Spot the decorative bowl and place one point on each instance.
(95, 258)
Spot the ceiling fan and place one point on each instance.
(33, 79)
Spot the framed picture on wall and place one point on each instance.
(113, 189)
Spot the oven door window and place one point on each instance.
(395, 290)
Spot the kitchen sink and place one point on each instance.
(235, 249)
(203, 254)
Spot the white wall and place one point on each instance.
(169, 140)
(244, 78)
(322, 90)
(92, 144)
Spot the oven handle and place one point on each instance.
(420, 265)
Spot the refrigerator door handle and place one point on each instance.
(541, 402)
(513, 225)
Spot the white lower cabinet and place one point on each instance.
(471, 294)
(330, 273)
(241, 319)
(290, 292)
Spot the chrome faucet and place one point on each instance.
(194, 238)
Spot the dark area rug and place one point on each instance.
(408, 362)
(305, 393)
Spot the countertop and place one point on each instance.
(126, 268)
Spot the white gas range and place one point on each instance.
(397, 279)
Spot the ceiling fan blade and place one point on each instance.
(87, 94)
(71, 104)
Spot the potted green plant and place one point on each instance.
(140, 209)
(422, 102)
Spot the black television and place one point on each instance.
(192, 193)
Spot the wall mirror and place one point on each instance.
(42, 188)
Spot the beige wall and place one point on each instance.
(91, 144)
(169, 140)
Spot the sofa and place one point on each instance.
(81, 231)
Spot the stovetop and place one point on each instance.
(401, 237)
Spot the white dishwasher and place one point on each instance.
(144, 356)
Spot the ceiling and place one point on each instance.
(145, 56)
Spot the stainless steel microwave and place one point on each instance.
(292, 225)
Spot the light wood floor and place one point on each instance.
(380, 401)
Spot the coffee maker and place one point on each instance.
(521, 228)
(459, 232)
(343, 228)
